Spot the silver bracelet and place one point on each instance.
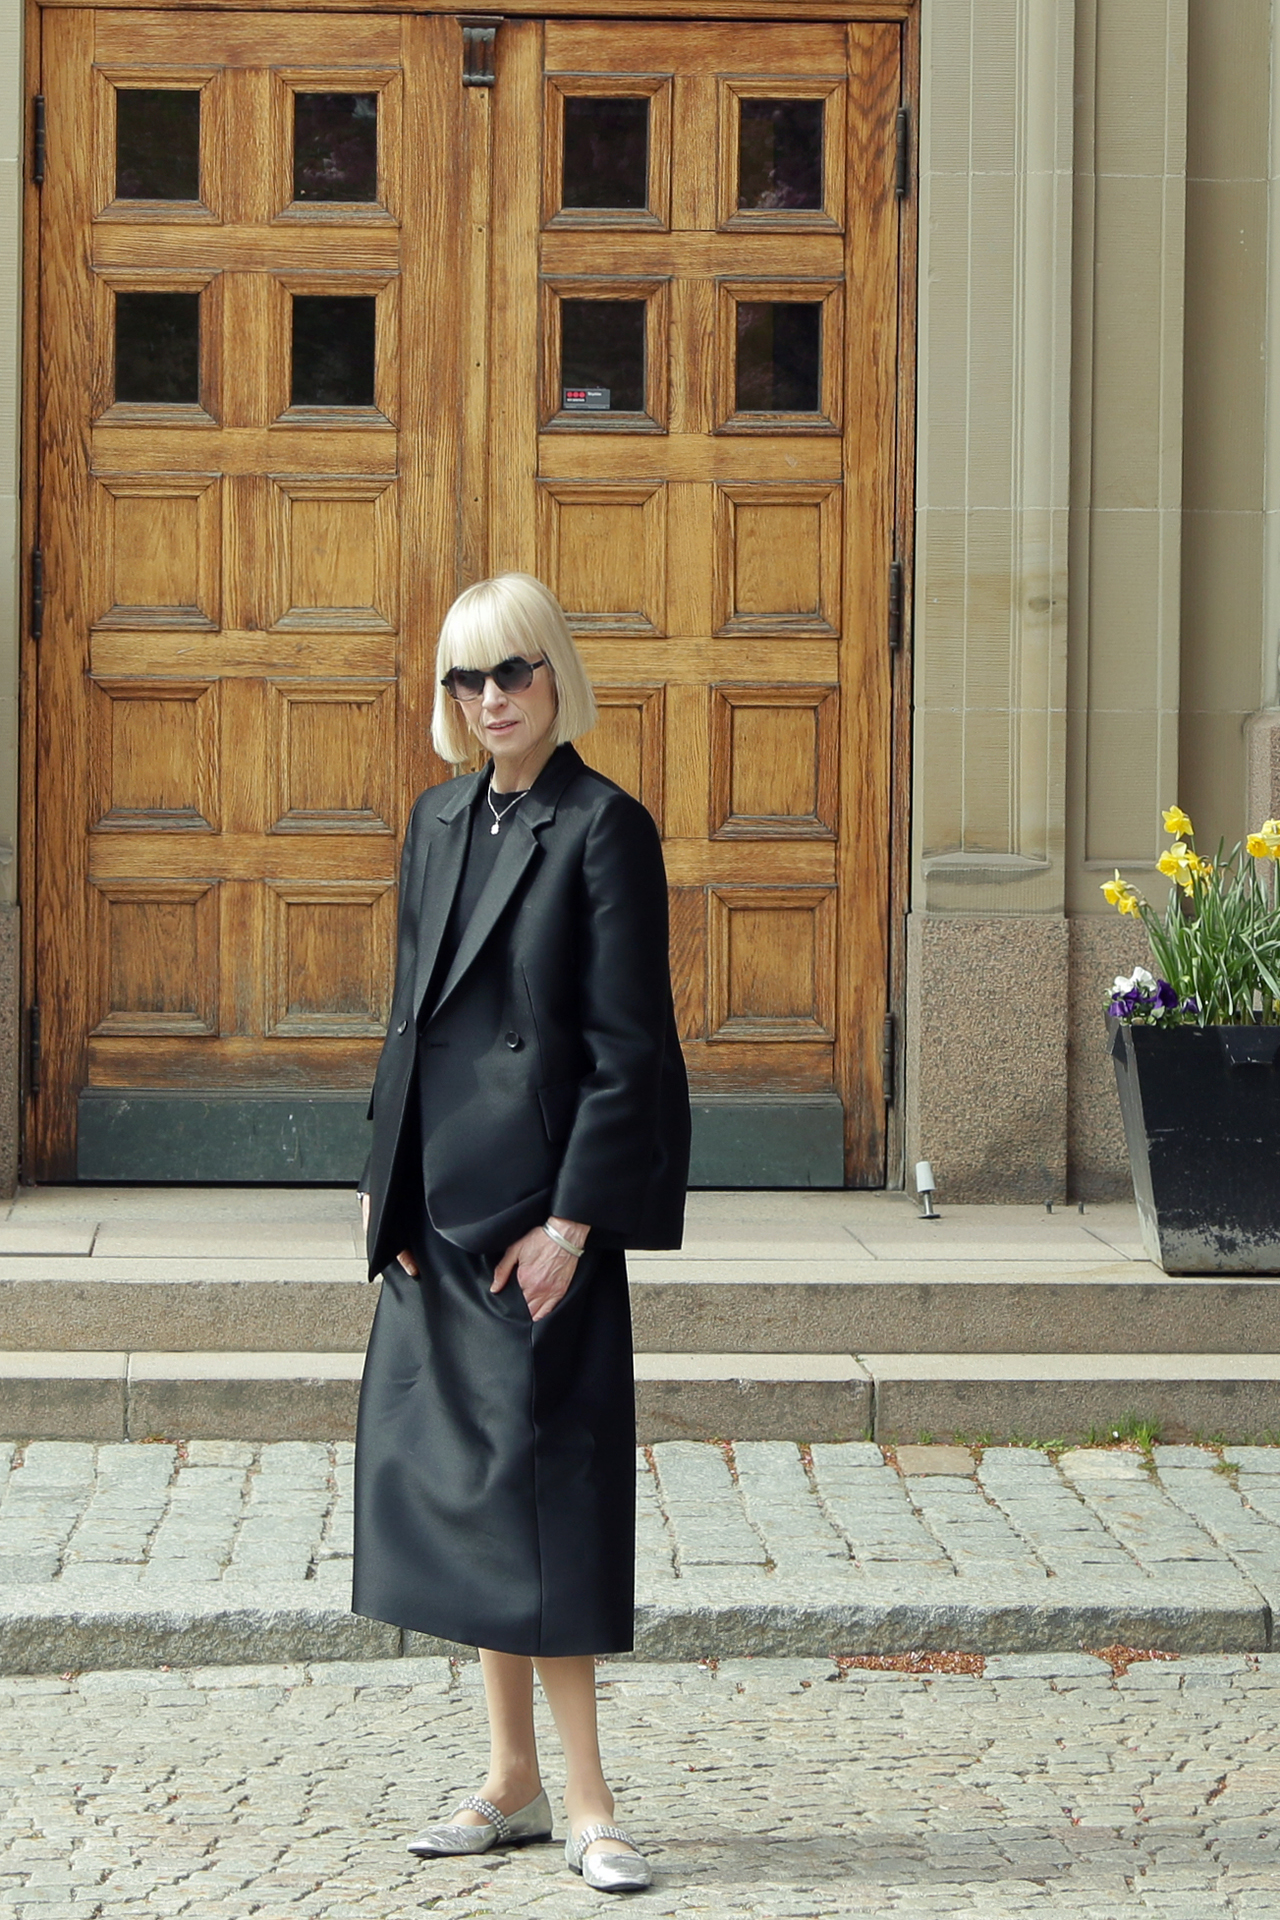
(567, 1246)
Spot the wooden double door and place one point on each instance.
(339, 312)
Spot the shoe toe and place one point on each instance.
(617, 1872)
(451, 1840)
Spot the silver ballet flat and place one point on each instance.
(522, 1829)
(608, 1872)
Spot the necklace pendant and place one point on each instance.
(494, 828)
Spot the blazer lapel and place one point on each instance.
(534, 812)
(443, 859)
(513, 857)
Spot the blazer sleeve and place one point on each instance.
(625, 1002)
(405, 957)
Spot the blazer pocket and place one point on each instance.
(559, 1104)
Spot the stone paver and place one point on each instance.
(762, 1790)
(764, 1547)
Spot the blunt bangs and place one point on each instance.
(510, 614)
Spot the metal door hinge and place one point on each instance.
(33, 1050)
(37, 593)
(479, 33)
(889, 1058)
(902, 158)
(37, 139)
(895, 605)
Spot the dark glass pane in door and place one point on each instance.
(779, 154)
(602, 345)
(333, 349)
(158, 348)
(606, 152)
(335, 146)
(157, 143)
(779, 356)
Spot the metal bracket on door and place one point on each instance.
(478, 35)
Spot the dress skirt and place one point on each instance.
(495, 1458)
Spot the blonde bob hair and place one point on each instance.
(510, 614)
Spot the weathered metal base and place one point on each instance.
(322, 1139)
(1201, 1114)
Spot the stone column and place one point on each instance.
(1126, 535)
(987, 944)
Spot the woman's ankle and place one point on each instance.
(511, 1789)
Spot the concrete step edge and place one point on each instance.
(43, 1633)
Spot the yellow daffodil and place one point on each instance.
(1173, 864)
(1265, 843)
(1176, 821)
(1121, 895)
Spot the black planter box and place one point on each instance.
(1201, 1113)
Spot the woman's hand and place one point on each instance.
(405, 1258)
(543, 1270)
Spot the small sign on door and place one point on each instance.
(587, 399)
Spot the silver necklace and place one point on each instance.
(511, 806)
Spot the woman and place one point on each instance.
(530, 1121)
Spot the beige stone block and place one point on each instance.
(989, 758)
(986, 1047)
(929, 1459)
(1100, 948)
(995, 322)
(1228, 89)
(1132, 343)
(941, 611)
(1213, 775)
(1123, 788)
(942, 476)
(1126, 561)
(995, 81)
(1262, 766)
(1222, 575)
(938, 814)
(1140, 86)
(1225, 333)
(946, 119)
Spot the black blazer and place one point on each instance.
(553, 1081)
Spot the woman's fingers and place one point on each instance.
(408, 1262)
(502, 1272)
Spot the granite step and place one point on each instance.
(112, 1394)
(806, 1301)
(309, 1395)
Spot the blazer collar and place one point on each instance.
(447, 855)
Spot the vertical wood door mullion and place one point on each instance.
(63, 951)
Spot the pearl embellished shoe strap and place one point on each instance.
(492, 1814)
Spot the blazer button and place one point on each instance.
(403, 1027)
(514, 1041)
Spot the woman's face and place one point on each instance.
(515, 728)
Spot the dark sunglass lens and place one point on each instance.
(513, 675)
(464, 683)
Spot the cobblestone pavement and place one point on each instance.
(100, 1520)
(773, 1789)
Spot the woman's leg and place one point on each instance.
(513, 1779)
(570, 1686)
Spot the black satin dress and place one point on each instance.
(495, 1457)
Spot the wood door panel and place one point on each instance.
(156, 945)
(278, 430)
(156, 541)
(236, 661)
(724, 563)
(154, 756)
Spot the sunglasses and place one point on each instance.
(509, 676)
